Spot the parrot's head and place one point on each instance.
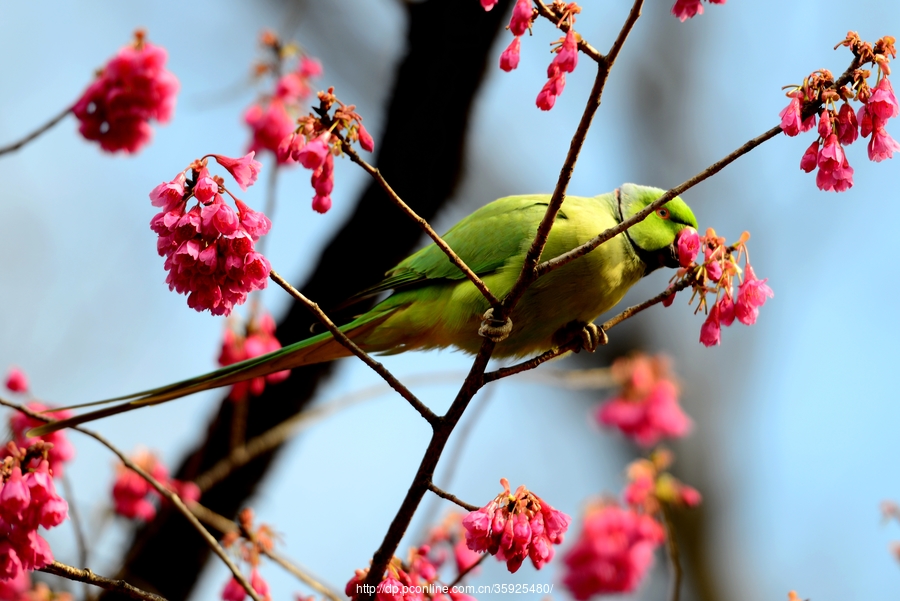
(654, 237)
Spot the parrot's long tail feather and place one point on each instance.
(317, 349)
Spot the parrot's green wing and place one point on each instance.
(485, 241)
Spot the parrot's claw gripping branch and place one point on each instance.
(593, 336)
(494, 330)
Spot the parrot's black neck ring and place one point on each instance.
(651, 260)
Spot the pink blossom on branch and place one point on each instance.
(244, 170)
(646, 407)
(132, 494)
(209, 249)
(133, 88)
(613, 552)
(516, 527)
(60, 451)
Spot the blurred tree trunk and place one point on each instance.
(420, 154)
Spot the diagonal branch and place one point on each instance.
(395, 198)
(88, 577)
(46, 126)
(452, 498)
(170, 496)
(418, 405)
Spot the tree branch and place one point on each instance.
(388, 377)
(19, 144)
(674, 555)
(452, 498)
(88, 577)
(454, 258)
(170, 496)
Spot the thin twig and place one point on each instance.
(17, 145)
(505, 372)
(223, 524)
(674, 555)
(285, 430)
(465, 572)
(529, 272)
(395, 198)
(170, 496)
(580, 251)
(313, 308)
(88, 577)
(452, 498)
(77, 526)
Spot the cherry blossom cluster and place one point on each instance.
(28, 500)
(133, 88)
(248, 545)
(132, 494)
(319, 138)
(688, 9)
(646, 406)
(616, 546)
(416, 579)
(565, 49)
(514, 527)
(209, 248)
(716, 277)
(839, 127)
(273, 116)
(21, 589)
(613, 552)
(255, 338)
(56, 445)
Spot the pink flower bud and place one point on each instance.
(567, 58)
(16, 381)
(521, 17)
(711, 331)
(310, 67)
(810, 158)
(509, 60)
(687, 9)
(365, 139)
(825, 124)
(313, 154)
(847, 125)
(790, 115)
(233, 591)
(206, 187)
(14, 496)
(488, 4)
(244, 170)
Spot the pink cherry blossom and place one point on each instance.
(650, 418)
(567, 57)
(310, 67)
(848, 127)
(790, 117)
(509, 60)
(882, 145)
(259, 585)
(711, 330)
(825, 128)
(521, 17)
(613, 552)
(312, 155)
(488, 4)
(687, 9)
(206, 187)
(233, 591)
(838, 180)
(269, 124)
(688, 246)
(244, 170)
(168, 195)
(133, 88)
(16, 380)
(882, 104)
(61, 451)
(258, 339)
(132, 494)
(831, 156)
(515, 528)
(752, 295)
(810, 158)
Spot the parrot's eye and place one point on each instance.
(662, 212)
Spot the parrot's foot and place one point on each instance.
(494, 329)
(593, 336)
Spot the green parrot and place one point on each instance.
(434, 305)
